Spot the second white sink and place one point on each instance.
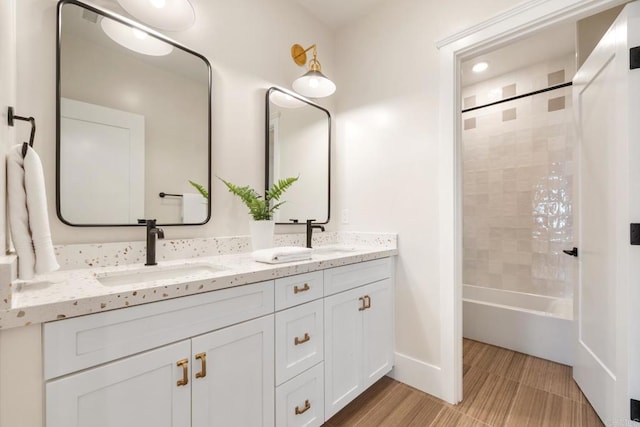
(149, 274)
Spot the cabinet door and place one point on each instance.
(378, 333)
(238, 388)
(137, 391)
(343, 349)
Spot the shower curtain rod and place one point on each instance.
(524, 95)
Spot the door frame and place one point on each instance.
(507, 27)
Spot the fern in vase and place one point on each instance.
(261, 208)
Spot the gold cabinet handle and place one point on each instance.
(367, 301)
(363, 306)
(185, 372)
(203, 358)
(307, 406)
(305, 288)
(303, 340)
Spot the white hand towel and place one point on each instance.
(282, 254)
(194, 208)
(28, 217)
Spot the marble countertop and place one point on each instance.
(78, 292)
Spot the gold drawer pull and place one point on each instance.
(363, 306)
(305, 288)
(307, 406)
(367, 300)
(298, 341)
(185, 372)
(203, 358)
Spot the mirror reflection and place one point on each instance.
(133, 124)
(298, 143)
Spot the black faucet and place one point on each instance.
(310, 227)
(152, 233)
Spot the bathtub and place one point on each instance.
(531, 324)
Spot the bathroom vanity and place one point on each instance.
(290, 348)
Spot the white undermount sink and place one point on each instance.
(333, 249)
(149, 274)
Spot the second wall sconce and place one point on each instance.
(312, 84)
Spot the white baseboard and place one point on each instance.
(418, 374)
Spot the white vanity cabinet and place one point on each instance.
(288, 352)
(224, 377)
(359, 331)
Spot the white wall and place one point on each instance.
(387, 154)
(7, 98)
(248, 44)
(7, 138)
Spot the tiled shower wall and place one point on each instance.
(518, 182)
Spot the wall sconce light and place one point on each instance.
(169, 15)
(312, 84)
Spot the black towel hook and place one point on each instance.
(11, 117)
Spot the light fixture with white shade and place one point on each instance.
(134, 38)
(312, 84)
(169, 15)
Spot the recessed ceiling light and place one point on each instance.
(480, 67)
(170, 15)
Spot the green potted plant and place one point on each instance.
(261, 209)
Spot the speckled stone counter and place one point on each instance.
(76, 291)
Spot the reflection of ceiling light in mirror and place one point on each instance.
(139, 33)
(480, 67)
(170, 15)
(158, 3)
(134, 39)
(285, 100)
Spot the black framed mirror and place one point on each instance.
(133, 134)
(298, 143)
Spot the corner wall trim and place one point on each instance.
(418, 374)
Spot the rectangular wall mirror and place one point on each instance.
(298, 143)
(133, 123)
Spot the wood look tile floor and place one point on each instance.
(501, 388)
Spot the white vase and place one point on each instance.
(262, 234)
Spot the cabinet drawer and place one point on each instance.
(299, 339)
(300, 401)
(82, 342)
(351, 276)
(298, 289)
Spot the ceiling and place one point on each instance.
(336, 13)
(551, 43)
(548, 44)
